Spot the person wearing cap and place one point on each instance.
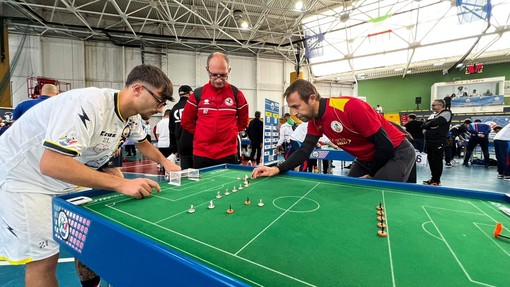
(256, 134)
(217, 118)
(60, 145)
(182, 137)
(381, 150)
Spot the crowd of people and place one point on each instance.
(440, 140)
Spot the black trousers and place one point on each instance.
(484, 145)
(435, 158)
(256, 149)
(200, 162)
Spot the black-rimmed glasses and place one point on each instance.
(161, 103)
(218, 76)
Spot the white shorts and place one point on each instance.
(25, 224)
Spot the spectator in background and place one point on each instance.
(487, 93)
(285, 131)
(464, 95)
(381, 150)
(182, 137)
(130, 148)
(502, 149)
(217, 119)
(47, 91)
(379, 109)
(413, 127)
(297, 138)
(474, 93)
(479, 135)
(460, 91)
(457, 133)
(256, 134)
(436, 138)
(163, 134)
(4, 125)
(147, 128)
(448, 102)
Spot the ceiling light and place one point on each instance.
(241, 22)
(409, 71)
(398, 69)
(460, 65)
(298, 5)
(438, 64)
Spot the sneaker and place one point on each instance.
(430, 182)
(449, 164)
(500, 176)
(506, 178)
(465, 164)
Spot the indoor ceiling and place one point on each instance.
(270, 28)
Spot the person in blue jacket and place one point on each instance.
(479, 136)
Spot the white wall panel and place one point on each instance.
(181, 69)
(107, 66)
(104, 65)
(25, 60)
(63, 60)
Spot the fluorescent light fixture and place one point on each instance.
(298, 5)
(398, 69)
(438, 64)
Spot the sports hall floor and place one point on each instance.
(474, 177)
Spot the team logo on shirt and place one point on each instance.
(337, 126)
(126, 131)
(67, 140)
(229, 101)
(99, 148)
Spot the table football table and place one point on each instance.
(313, 230)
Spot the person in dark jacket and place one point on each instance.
(436, 138)
(479, 136)
(457, 131)
(413, 127)
(182, 137)
(256, 135)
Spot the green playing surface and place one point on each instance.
(321, 233)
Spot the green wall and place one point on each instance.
(396, 94)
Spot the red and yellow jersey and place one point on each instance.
(348, 122)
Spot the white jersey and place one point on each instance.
(503, 134)
(84, 123)
(285, 132)
(163, 131)
(299, 134)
